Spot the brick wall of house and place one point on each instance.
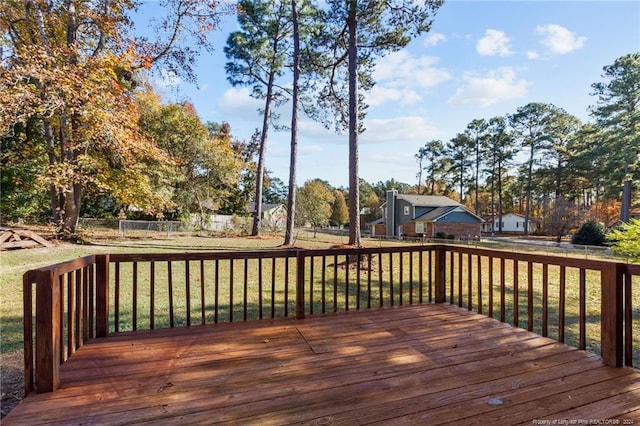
(460, 230)
(380, 230)
(409, 229)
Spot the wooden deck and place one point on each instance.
(429, 364)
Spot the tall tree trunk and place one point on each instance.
(461, 184)
(51, 154)
(527, 208)
(499, 196)
(477, 176)
(420, 158)
(293, 161)
(255, 229)
(626, 195)
(354, 119)
(493, 195)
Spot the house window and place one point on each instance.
(419, 227)
(517, 224)
(406, 210)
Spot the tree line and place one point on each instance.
(545, 163)
(83, 132)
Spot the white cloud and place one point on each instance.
(498, 85)
(400, 77)
(380, 95)
(238, 100)
(558, 39)
(494, 43)
(401, 69)
(397, 129)
(533, 54)
(433, 39)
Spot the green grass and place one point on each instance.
(15, 263)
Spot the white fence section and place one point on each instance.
(131, 228)
(136, 227)
(215, 222)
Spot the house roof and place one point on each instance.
(436, 213)
(428, 200)
(376, 222)
(495, 216)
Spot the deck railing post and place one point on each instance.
(48, 329)
(27, 322)
(612, 314)
(300, 256)
(102, 295)
(440, 274)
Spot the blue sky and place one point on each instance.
(480, 59)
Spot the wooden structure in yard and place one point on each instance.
(413, 334)
(14, 238)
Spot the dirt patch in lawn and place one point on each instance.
(11, 381)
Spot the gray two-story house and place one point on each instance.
(426, 216)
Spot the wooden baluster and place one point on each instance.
(273, 287)
(116, 302)
(170, 284)
(216, 295)
(545, 300)
(203, 302)
(502, 289)
(612, 316)
(583, 309)
(135, 296)
(187, 290)
(245, 289)
(516, 294)
(300, 269)
(440, 274)
(480, 307)
(324, 284)
(562, 302)
(529, 296)
(102, 295)
(311, 260)
(152, 294)
(260, 296)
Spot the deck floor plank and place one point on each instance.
(426, 364)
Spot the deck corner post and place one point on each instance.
(48, 332)
(612, 346)
(27, 323)
(102, 295)
(440, 274)
(300, 256)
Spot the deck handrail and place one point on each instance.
(81, 299)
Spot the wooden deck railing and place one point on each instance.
(586, 303)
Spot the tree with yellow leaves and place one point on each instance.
(66, 75)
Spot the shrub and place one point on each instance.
(591, 233)
(626, 240)
(441, 235)
(451, 237)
